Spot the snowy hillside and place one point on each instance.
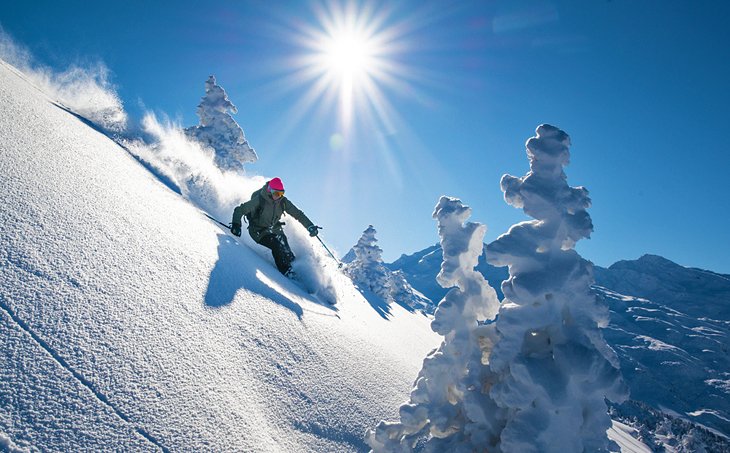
(130, 322)
(674, 361)
(671, 329)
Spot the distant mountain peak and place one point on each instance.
(649, 258)
(645, 261)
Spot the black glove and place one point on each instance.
(313, 230)
(236, 229)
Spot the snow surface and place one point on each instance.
(625, 437)
(672, 360)
(130, 322)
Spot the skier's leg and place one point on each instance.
(285, 255)
(280, 249)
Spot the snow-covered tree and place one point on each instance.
(366, 269)
(535, 378)
(219, 131)
(450, 409)
(553, 365)
(401, 292)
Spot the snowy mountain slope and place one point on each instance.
(673, 343)
(673, 361)
(128, 321)
(671, 328)
(697, 292)
(422, 267)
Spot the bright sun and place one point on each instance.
(348, 58)
(348, 54)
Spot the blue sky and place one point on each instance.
(640, 86)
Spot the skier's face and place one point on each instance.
(276, 194)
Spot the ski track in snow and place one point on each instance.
(78, 376)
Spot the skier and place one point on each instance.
(263, 213)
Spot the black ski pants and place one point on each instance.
(279, 245)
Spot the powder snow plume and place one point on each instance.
(188, 167)
(191, 169)
(83, 89)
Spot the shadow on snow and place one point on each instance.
(229, 275)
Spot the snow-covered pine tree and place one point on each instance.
(219, 131)
(554, 367)
(449, 408)
(367, 269)
(406, 295)
(535, 378)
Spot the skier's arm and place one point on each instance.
(295, 212)
(243, 209)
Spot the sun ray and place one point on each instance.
(348, 51)
(349, 69)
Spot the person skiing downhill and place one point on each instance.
(263, 212)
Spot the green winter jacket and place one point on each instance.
(264, 214)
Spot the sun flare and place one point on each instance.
(348, 54)
(349, 60)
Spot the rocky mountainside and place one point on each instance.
(697, 292)
(422, 267)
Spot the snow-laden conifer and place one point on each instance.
(553, 365)
(536, 378)
(367, 271)
(219, 131)
(449, 408)
(401, 292)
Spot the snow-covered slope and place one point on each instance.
(673, 361)
(670, 326)
(699, 293)
(130, 322)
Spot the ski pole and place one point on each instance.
(339, 265)
(217, 221)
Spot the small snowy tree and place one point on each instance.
(553, 365)
(219, 131)
(406, 295)
(367, 269)
(449, 408)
